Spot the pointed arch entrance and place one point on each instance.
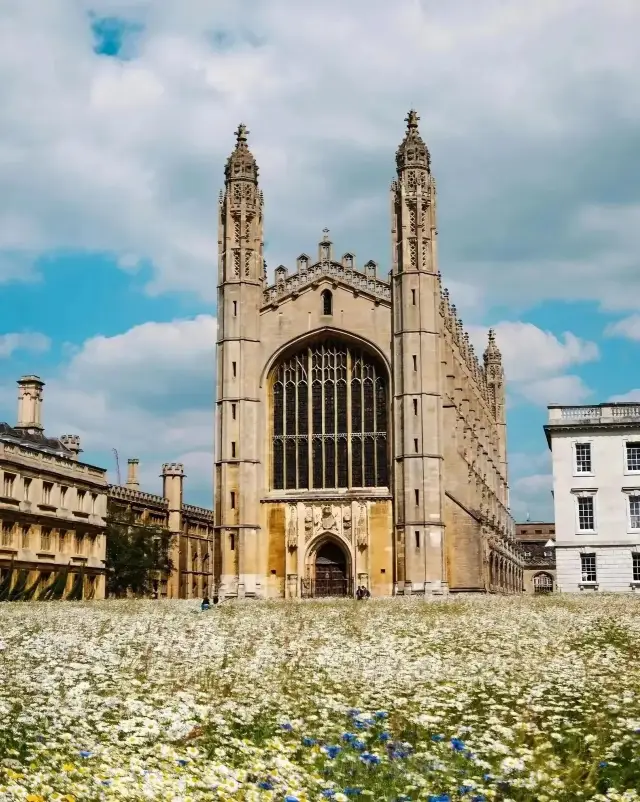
(328, 569)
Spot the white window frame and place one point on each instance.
(585, 493)
(589, 582)
(625, 440)
(574, 456)
(631, 492)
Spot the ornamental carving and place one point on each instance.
(362, 535)
(292, 528)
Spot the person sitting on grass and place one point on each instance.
(206, 604)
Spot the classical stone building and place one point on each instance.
(55, 509)
(538, 556)
(359, 441)
(193, 547)
(52, 505)
(595, 453)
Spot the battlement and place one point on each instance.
(197, 512)
(137, 496)
(173, 469)
(460, 337)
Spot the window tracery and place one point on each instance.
(330, 419)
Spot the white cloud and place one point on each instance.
(628, 327)
(535, 361)
(23, 341)
(555, 390)
(632, 395)
(127, 157)
(147, 393)
(531, 496)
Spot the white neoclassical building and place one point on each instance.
(596, 488)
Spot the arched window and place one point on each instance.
(329, 408)
(327, 302)
(543, 583)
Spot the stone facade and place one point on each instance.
(53, 506)
(538, 557)
(596, 489)
(54, 511)
(359, 441)
(193, 547)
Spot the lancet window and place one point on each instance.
(330, 419)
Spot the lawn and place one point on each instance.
(488, 699)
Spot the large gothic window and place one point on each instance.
(329, 408)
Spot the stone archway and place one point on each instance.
(329, 569)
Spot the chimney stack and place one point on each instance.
(30, 404)
(72, 442)
(132, 474)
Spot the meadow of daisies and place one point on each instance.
(487, 699)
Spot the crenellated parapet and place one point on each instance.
(454, 326)
(190, 511)
(133, 496)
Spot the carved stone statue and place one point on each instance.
(292, 528)
(361, 531)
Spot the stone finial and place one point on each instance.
(241, 164)
(492, 352)
(325, 249)
(413, 152)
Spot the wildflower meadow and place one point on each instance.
(485, 699)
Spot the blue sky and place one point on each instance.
(116, 117)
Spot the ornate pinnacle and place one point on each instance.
(241, 164)
(412, 153)
(492, 352)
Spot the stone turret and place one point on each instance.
(30, 404)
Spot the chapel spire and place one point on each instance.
(241, 164)
(492, 355)
(413, 153)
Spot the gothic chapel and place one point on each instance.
(359, 441)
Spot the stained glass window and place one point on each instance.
(330, 422)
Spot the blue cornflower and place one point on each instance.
(437, 738)
(399, 753)
(286, 726)
(465, 789)
(265, 785)
(488, 778)
(107, 782)
(403, 798)
(182, 762)
(384, 737)
(332, 751)
(291, 799)
(370, 759)
(457, 745)
(479, 798)
(348, 737)
(306, 741)
(328, 793)
(380, 714)
(352, 791)
(602, 764)
(358, 744)
(439, 798)
(360, 725)
(86, 754)
(353, 712)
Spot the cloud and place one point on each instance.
(531, 496)
(535, 361)
(628, 327)
(555, 390)
(534, 153)
(148, 393)
(632, 395)
(23, 341)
